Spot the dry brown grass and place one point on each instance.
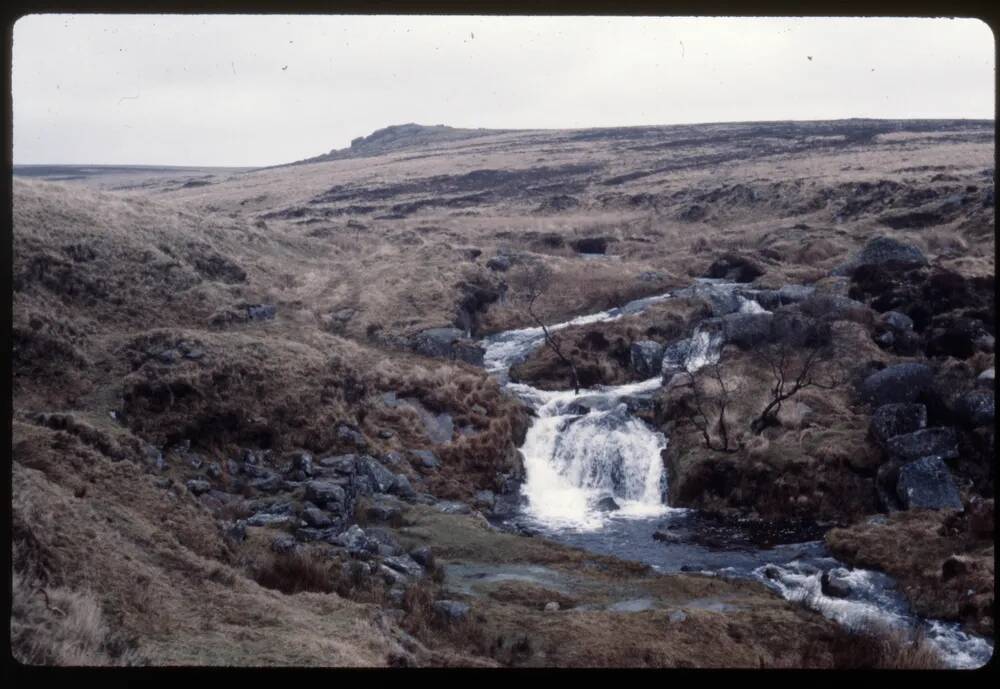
(875, 647)
(295, 572)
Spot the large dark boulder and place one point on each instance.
(447, 343)
(883, 251)
(836, 307)
(897, 384)
(735, 268)
(722, 299)
(747, 330)
(891, 420)
(941, 442)
(646, 358)
(927, 484)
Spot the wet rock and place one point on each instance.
(927, 484)
(666, 536)
(976, 408)
(940, 441)
(900, 383)
(883, 251)
(735, 268)
(484, 499)
(451, 610)
(646, 358)
(674, 356)
(891, 420)
(607, 504)
(835, 583)
(284, 544)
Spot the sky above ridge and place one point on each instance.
(260, 90)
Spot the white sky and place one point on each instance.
(261, 90)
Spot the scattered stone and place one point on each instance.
(453, 507)
(891, 420)
(315, 517)
(270, 483)
(677, 616)
(552, 606)
(451, 610)
(302, 462)
(927, 484)
(342, 464)
(665, 536)
(383, 512)
(404, 564)
(198, 486)
(424, 555)
(270, 519)
(381, 478)
(325, 492)
(401, 487)
(901, 383)
(235, 532)
(939, 441)
(385, 434)
(213, 470)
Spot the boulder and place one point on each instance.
(836, 307)
(447, 343)
(976, 408)
(896, 321)
(607, 504)
(747, 330)
(324, 492)
(351, 436)
(986, 378)
(942, 442)
(646, 358)
(316, 517)
(424, 556)
(883, 251)
(405, 565)
(735, 268)
(899, 383)
(401, 486)
(674, 356)
(891, 420)
(927, 484)
(302, 463)
(722, 299)
(381, 478)
(835, 583)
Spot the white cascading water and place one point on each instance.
(587, 446)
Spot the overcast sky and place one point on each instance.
(255, 90)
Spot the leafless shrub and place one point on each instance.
(707, 411)
(533, 280)
(294, 573)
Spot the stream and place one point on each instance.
(584, 450)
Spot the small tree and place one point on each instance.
(701, 408)
(533, 281)
(796, 366)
